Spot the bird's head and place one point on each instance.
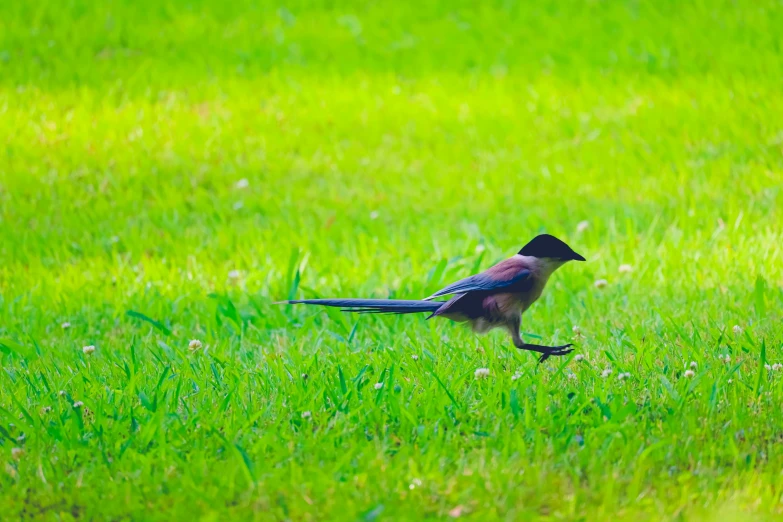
(551, 249)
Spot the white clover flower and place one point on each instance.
(693, 365)
(194, 345)
(516, 376)
(415, 357)
(480, 248)
(726, 358)
(234, 274)
(415, 483)
(78, 404)
(606, 373)
(17, 453)
(767, 367)
(374, 214)
(689, 373)
(623, 376)
(577, 331)
(582, 226)
(625, 269)
(579, 357)
(481, 373)
(306, 414)
(571, 375)
(242, 184)
(777, 366)
(378, 385)
(61, 393)
(456, 512)
(88, 350)
(65, 325)
(601, 283)
(737, 329)
(46, 409)
(730, 381)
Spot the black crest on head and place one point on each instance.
(546, 245)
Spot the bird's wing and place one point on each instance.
(502, 275)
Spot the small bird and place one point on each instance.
(495, 298)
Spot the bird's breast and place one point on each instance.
(518, 302)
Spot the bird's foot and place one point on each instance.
(547, 351)
(556, 351)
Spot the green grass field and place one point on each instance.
(193, 162)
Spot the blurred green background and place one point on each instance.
(196, 161)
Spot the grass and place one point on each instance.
(388, 149)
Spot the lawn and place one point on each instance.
(169, 170)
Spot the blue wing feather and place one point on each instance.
(480, 283)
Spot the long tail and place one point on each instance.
(374, 306)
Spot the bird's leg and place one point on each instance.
(545, 351)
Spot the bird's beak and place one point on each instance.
(577, 257)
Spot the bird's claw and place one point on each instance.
(546, 351)
(556, 351)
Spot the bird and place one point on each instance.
(494, 298)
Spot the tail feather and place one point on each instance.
(374, 306)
